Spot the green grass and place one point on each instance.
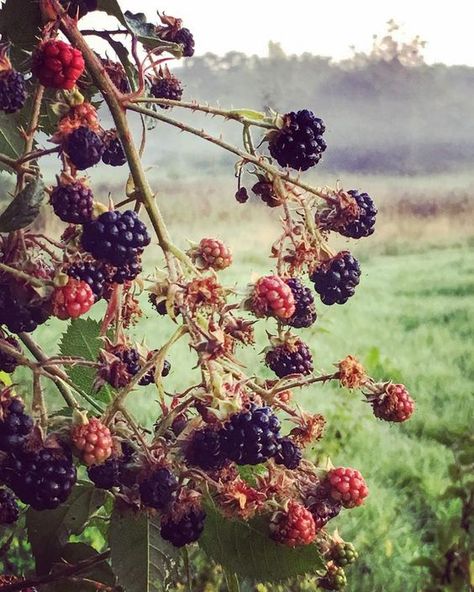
(412, 320)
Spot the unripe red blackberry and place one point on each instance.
(213, 253)
(116, 237)
(294, 527)
(113, 152)
(336, 279)
(93, 441)
(84, 148)
(305, 311)
(364, 225)
(21, 307)
(343, 553)
(347, 486)
(72, 300)
(158, 489)
(334, 578)
(57, 64)
(185, 529)
(205, 450)
(8, 363)
(250, 437)
(393, 404)
(79, 8)
(272, 297)
(166, 86)
(289, 454)
(12, 91)
(92, 273)
(9, 511)
(299, 144)
(42, 479)
(15, 424)
(291, 357)
(73, 202)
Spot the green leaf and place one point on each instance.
(141, 559)
(24, 207)
(20, 22)
(11, 141)
(49, 530)
(82, 339)
(244, 548)
(249, 473)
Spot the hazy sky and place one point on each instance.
(326, 27)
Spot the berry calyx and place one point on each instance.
(394, 403)
(336, 279)
(9, 363)
(183, 529)
(250, 437)
(205, 451)
(289, 454)
(272, 297)
(294, 527)
(116, 237)
(299, 144)
(93, 441)
(305, 311)
(364, 224)
(347, 486)
(12, 91)
(290, 357)
(72, 300)
(73, 202)
(213, 254)
(84, 148)
(57, 64)
(158, 489)
(117, 75)
(9, 511)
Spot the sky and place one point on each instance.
(324, 27)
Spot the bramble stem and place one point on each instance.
(24, 276)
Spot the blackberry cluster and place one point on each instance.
(167, 87)
(93, 274)
(289, 454)
(185, 38)
(299, 144)
(21, 308)
(184, 530)
(15, 425)
(335, 281)
(293, 357)
(305, 311)
(128, 271)
(116, 237)
(42, 479)
(79, 8)
(12, 91)
(131, 358)
(149, 377)
(158, 489)
(84, 148)
(113, 153)
(205, 450)
(73, 202)
(251, 436)
(8, 363)
(111, 473)
(9, 511)
(364, 225)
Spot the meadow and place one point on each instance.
(411, 320)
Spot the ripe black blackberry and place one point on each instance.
(183, 530)
(116, 237)
(131, 358)
(73, 202)
(205, 450)
(8, 363)
(251, 436)
(127, 272)
(335, 280)
(149, 377)
(299, 144)
(21, 308)
(289, 454)
(91, 272)
(266, 193)
(166, 87)
(110, 473)
(305, 311)
(15, 424)
(12, 91)
(242, 195)
(158, 489)
(79, 8)
(364, 225)
(42, 479)
(9, 511)
(113, 154)
(291, 357)
(84, 148)
(185, 38)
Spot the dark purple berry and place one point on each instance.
(305, 311)
(73, 202)
(9, 511)
(22, 309)
(184, 530)
(158, 489)
(127, 272)
(322, 507)
(8, 363)
(364, 225)
(289, 454)
(166, 87)
(113, 154)
(205, 450)
(266, 193)
(15, 425)
(12, 91)
(242, 195)
(84, 148)
(335, 280)
(105, 475)
(91, 272)
(185, 38)
(291, 357)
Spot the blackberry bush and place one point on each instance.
(205, 459)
